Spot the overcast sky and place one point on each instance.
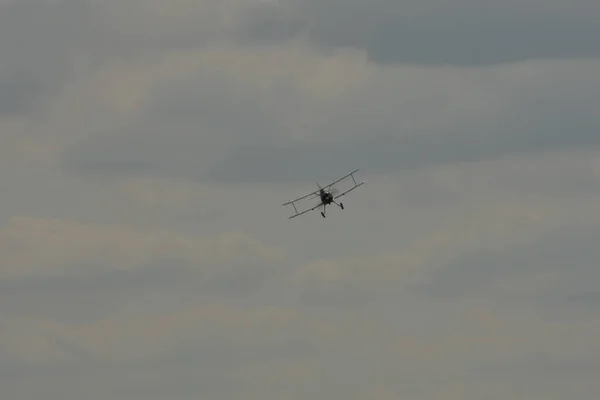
(146, 148)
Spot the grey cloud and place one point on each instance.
(569, 253)
(53, 297)
(359, 332)
(334, 296)
(253, 159)
(588, 298)
(433, 32)
(44, 44)
(299, 162)
(483, 44)
(104, 292)
(212, 370)
(18, 94)
(37, 43)
(402, 342)
(171, 379)
(547, 372)
(188, 128)
(209, 130)
(271, 162)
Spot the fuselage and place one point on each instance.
(326, 197)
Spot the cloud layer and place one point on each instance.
(146, 150)
(432, 32)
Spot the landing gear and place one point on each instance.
(340, 205)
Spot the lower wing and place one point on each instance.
(305, 211)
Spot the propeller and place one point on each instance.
(333, 191)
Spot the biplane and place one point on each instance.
(327, 195)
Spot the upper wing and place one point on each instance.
(349, 190)
(300, 198)
(324, 187)
(316, 193)
(293, 203)
(341, 179)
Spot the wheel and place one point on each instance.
(323, 214)
(342, 205)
